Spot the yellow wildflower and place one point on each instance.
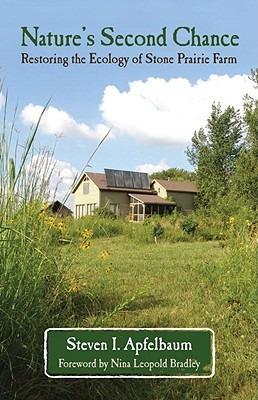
(61, 227)
(104, 254)
(42, 214)
(109, 269)
(231, 220)
(87, 234)
(84, 245)
(49, 221)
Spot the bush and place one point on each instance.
(189, 226)
(157, 230)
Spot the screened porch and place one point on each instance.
(145, 205)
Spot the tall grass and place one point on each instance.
(100, 226)
(33, 285)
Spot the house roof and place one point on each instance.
(58, 207)
(151, 199)
(100, 181)
(177, 186)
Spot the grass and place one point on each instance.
(199, 284)
(112, 274)
(159, 273)
(34, 279)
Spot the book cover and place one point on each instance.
(128, 200)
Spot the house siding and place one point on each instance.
(93, 197)
(121, 198)
(161, 191)
(183, 200)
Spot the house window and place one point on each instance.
(79, 210)
(91, 208)
(86, 187)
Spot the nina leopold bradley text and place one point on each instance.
(180, 36)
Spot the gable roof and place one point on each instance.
(178, 186)
(59, 208)
(151, 199)
(100, 181)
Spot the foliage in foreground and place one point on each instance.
(36, 291)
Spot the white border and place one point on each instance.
(130, 376)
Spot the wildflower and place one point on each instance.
(104, 254)
(87, 234)
(61, 227)
(49, 221)
(84, 245)
(109, 269)
(231, 220)
(42, 215)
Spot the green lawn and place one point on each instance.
(176, 285)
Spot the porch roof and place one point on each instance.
(151, 199)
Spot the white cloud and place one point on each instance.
(151, 168)
(2, 100)
(61, 174)
(151, 111)
(56, 122)
(170, 111)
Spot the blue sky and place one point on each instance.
(152, 119)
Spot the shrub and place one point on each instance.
(189, 226)
(157, 230)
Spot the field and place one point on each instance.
(103, 272)
(194, 284)
(170, 282)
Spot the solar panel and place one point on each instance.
(119, 178)
(127, 179)
(145, 181)
(137, 180)
(110, 177)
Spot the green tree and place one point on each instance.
(245, 181)
(176, 174)
(214, 152)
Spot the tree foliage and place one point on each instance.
(245, 180)
(214, 152)
(175, 174)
